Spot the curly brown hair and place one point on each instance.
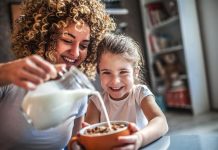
(40, 21)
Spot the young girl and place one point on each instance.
(119, 64)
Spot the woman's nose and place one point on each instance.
(75, 51)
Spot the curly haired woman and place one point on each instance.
(48, 32)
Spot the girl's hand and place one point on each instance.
(85, 124)
(27, 72)
(131, 142)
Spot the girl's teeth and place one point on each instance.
(115, 88)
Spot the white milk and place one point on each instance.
(48, 110)
(103, 107)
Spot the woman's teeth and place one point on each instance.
(69, 60)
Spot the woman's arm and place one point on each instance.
(92, 114)
(27, 72)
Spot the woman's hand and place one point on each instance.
(27, 72)
(131, 142)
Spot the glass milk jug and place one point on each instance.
(53, 102)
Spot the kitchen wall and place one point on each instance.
(208, 16)
(133, 19)
(134, 28)
(5, 53)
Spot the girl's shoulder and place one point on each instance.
(141, 91)
(95, 99)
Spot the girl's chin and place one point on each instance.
(117, 97)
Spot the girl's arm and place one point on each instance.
(157, 126)
(77, 125)
(157, 123)
(92, 114)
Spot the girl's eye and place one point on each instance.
(105, 73)
(124, 72)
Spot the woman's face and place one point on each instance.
(72, 45)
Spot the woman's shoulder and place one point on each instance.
(5, 89)
(11, 91)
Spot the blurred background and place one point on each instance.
(179, 42)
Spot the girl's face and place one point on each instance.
(116, 75)
(72, 45)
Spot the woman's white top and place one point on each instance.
(128, 109)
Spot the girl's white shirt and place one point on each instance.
(128, 109)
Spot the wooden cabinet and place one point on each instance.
(174, 50)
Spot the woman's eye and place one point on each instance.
(82, 47)
(67, 41)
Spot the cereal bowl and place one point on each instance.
(99, 136)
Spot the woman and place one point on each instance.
(56, 32)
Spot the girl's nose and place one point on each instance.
(115, 80)
(75, 51)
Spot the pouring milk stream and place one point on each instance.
(52, 102)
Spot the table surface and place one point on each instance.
(185, 142)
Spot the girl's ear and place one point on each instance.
(136, 72)
(136, 75)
